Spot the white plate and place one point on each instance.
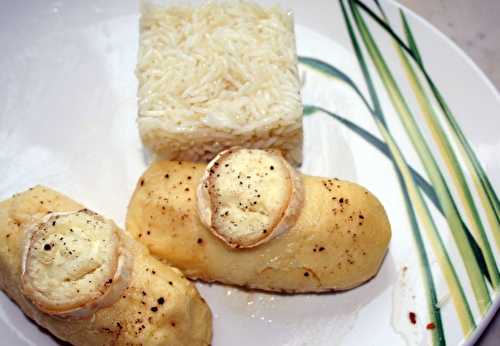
(67, 120)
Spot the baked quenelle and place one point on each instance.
(78, 275)
(224, 222)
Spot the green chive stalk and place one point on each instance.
(486, 193)
(452, 215)
(445, 148)
(456, 291)
(453, 166)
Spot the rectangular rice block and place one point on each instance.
(218, 75)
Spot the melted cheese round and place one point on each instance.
(249, 196)
(73, 261)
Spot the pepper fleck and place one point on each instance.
(154, 309)
(413, 317)
(47, 247)
(161, 300)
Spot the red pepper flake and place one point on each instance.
(430, 326)
(413, 317)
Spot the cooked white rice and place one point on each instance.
(218, 75)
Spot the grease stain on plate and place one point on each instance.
(406, 318)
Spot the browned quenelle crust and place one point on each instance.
(338, 241)
(159, 306)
